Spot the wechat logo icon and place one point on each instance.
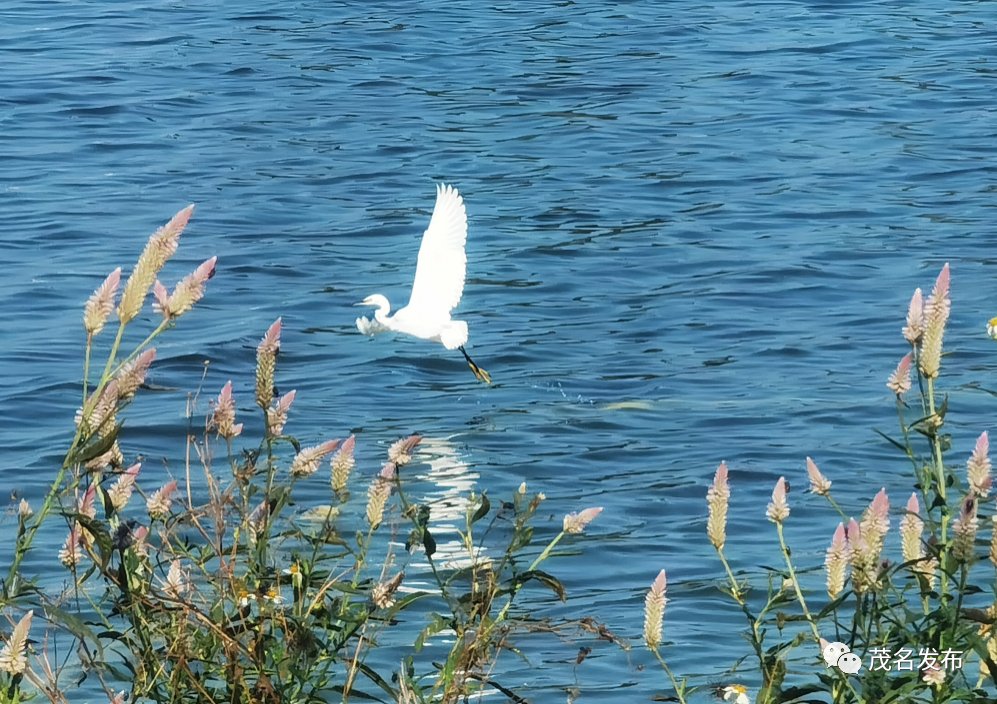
(839, 655)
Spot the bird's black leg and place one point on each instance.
(478, 371)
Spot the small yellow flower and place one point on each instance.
(992, 328)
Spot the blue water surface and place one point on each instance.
(694, 231)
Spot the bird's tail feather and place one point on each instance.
(454, 335)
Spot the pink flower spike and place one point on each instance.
(978, 468)
(307, 461)
(913, 505)
(778, 508)
(162, 296)
(389, 471)
(941, 289)
(158, 505)
(284, 404)
(899, 381)
(881, 506)
(86, 506)
(576, 522)
(100, 305)
(819, 484)
(271, 340)
(915, 318)
(853, 533)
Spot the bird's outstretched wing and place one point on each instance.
(442, 265)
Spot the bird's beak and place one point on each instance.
(361, 303)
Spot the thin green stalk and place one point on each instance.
(936, 452)
(679, 689)
(112, 355)
(756, 638)
(796, 582)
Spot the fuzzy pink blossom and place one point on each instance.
(778, 508)
(978, 468)
(836, 562)
(342, 464)
(717, 501)
(121, 491)
(899, 381)
(186, 293)
(266, 365)
(161, 246)
(819, 484)
(936, 315)
(14, 654)
(576, 522)
(654, 611)
(100, 305)
(277, 414)
(158, 505)
(223, 418)
(306, 462)
(915, 318)
(132, 374)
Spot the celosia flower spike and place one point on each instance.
(121, 491)
(876, 519)
(69, 555)
(819, 484)
(964, 531)
(266, 365)
(378, 493)
(936, 314)
(342, 464)
(654, 611)
(911, 529)
(132, 374)
(993, 540)
(836, 562)
(899, 381)
(160, 247)
(717, 500)
(576, 522)
(915, 318)
(177, 582)
(307, 461)
(100, 305)
(158, 505)
(223, 418)
(13, 656)
(383, 594)
(401, 451)
(778, 508)
(188, 292)
(277, 414)
(978, 467)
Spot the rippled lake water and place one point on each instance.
(694, 229)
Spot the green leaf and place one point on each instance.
(483, 509)
(544, 578)
(437, 623)
(96, 448)
(428, 542)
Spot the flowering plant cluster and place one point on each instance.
(874, 603)
(261, 575)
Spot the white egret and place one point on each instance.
(438, 286)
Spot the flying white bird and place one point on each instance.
(438, 285)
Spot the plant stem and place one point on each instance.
(679, 690)
(796, 582)
(735, 590)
